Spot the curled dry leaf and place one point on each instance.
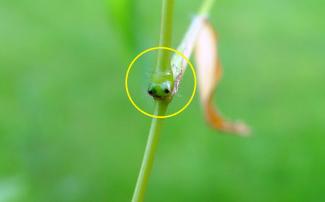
(202, 38)
(209, 73)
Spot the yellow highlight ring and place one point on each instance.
(131, 65)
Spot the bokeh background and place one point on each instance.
(69, 133)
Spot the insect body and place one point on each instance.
(161, 86)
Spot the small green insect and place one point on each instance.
(162, 85)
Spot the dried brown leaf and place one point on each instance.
(209, 74)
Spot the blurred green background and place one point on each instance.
(69, 133)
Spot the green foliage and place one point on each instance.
(122, 17)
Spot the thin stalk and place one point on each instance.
(166, 26)
(149, 154)
(163, 61)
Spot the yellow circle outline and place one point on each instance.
(131, 65)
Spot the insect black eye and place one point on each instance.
(150, 92)
(166, 90)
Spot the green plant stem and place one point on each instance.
(149, 153)
(166, 26)
(163, 61)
